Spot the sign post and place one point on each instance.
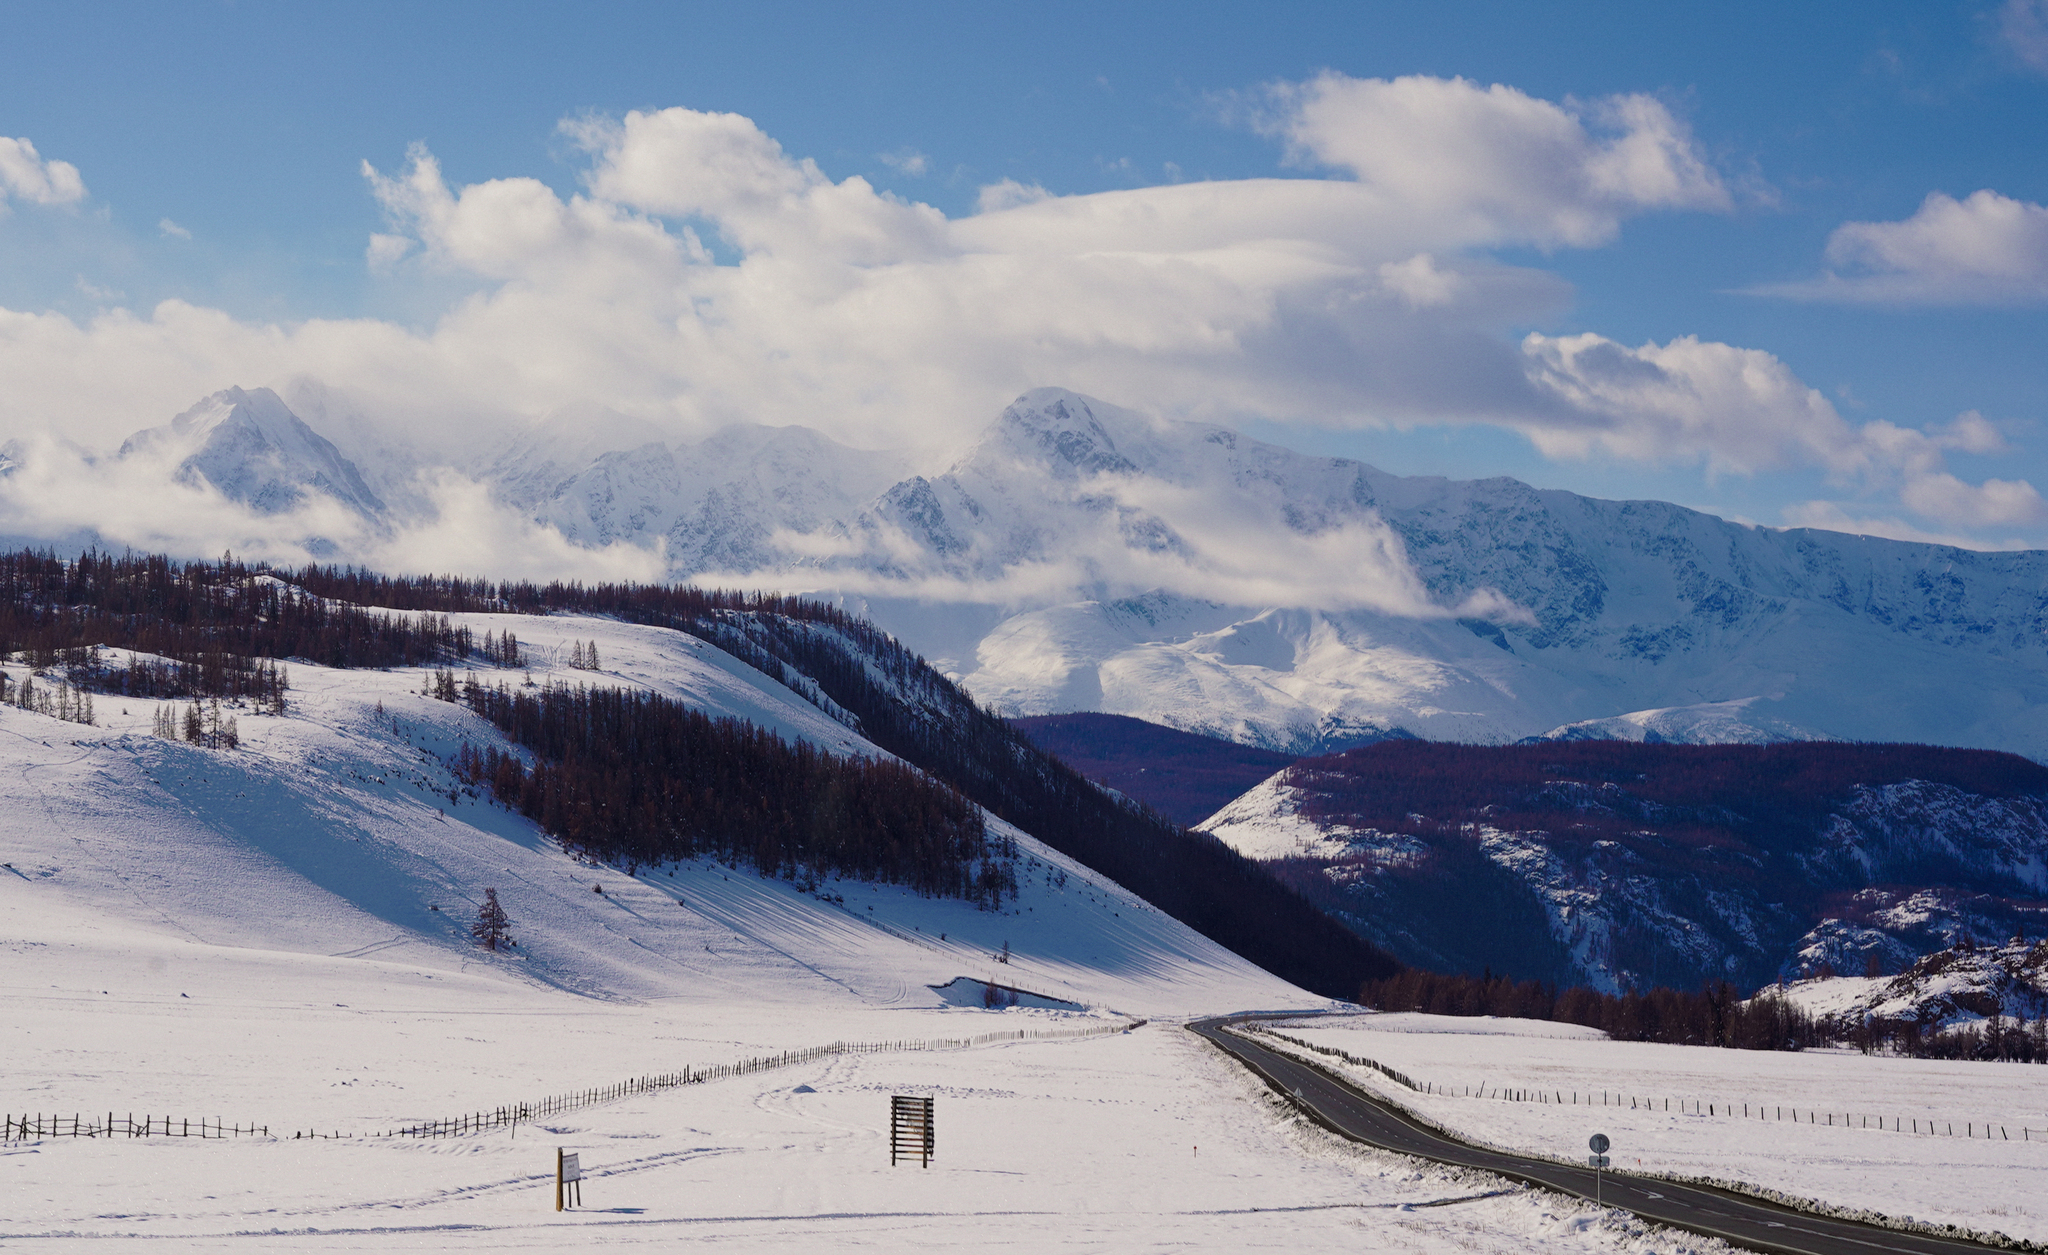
(568, 1179)
(1598, 1143)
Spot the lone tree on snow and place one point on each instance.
(491, 927)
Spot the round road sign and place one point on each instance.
(1599, 1143)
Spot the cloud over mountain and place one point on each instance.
(705, 276)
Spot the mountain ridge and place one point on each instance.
(1078, 556)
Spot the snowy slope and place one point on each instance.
(332, 832)
(253, 935)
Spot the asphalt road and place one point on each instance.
(1736, 1218)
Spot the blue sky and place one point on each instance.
(218, 152)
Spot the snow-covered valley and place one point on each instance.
(277, 935)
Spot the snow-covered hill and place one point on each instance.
(1080, 556)
(337, 830)
(1966, 982)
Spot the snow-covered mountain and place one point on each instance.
(1631, 865)
(1084, 557)
(253, 449)
(1079, 556)
(734, 502)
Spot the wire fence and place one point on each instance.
(31, 1127)
(1773, 1112)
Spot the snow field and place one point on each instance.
(1976, 1183)
(1139, 1142)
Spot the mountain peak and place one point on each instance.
(249, 445)
(1063, 430)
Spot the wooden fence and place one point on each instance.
(26, 1127)
(22, 1128)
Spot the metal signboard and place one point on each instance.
(568, 1180)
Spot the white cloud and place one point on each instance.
(54, 490)
(168, 229)
(1985, 249)
(1831, 516)
(1008, 194)
(907, 161)
(386, 251)
(1743, 410)
(26, 176)
(465, 529)
(1735, 409)
(2023, 29)
(103, 295)
(1343, 301)
(1503, 165)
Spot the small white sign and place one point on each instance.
(571, 1171)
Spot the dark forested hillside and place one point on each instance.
(208, 622)
(1634, 865)
(636, 778)
(1184, 776)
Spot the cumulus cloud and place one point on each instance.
(1502, 164)
(1743, 410)
(1985, 249)
(1735, 409)
(171, 230)
(884, 322)
(26, 176)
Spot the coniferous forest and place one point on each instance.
(636, 778)
(1714, 1015)
(216, 628)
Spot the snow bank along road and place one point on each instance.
(1737, 1219)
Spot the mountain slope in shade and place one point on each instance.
(251, 448)
(1630, 865)
(1183, 776)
